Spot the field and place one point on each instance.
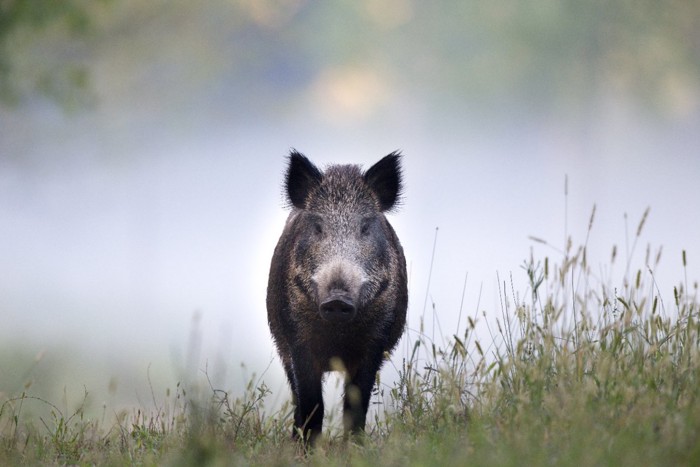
(576, 371)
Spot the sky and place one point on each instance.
(136, 234)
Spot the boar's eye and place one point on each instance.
(314, 225)
(364, 230)
(365, 227)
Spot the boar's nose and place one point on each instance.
(338, 308)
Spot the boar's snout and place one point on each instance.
(338, 284)
(338, 307)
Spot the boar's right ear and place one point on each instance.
(384, 178)
(302, 177)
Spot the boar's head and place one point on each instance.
(344, 248)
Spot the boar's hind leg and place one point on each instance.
(307, 387)
(358, 390)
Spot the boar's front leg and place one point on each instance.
(307, 386)
(358, 390)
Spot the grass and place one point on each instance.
(575, 371)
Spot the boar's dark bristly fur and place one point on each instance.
(337, 292)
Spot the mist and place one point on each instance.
(139, 211)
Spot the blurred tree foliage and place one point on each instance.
(563, 53)
(26, 22)
(540, 54)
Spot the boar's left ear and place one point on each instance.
(384, 178)
(302, 177)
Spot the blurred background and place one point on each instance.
(142, 149)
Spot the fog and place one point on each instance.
(137, 228)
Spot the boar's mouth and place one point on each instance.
(338, 308)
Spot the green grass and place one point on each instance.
(580, 371)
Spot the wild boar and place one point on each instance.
(337, 291)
